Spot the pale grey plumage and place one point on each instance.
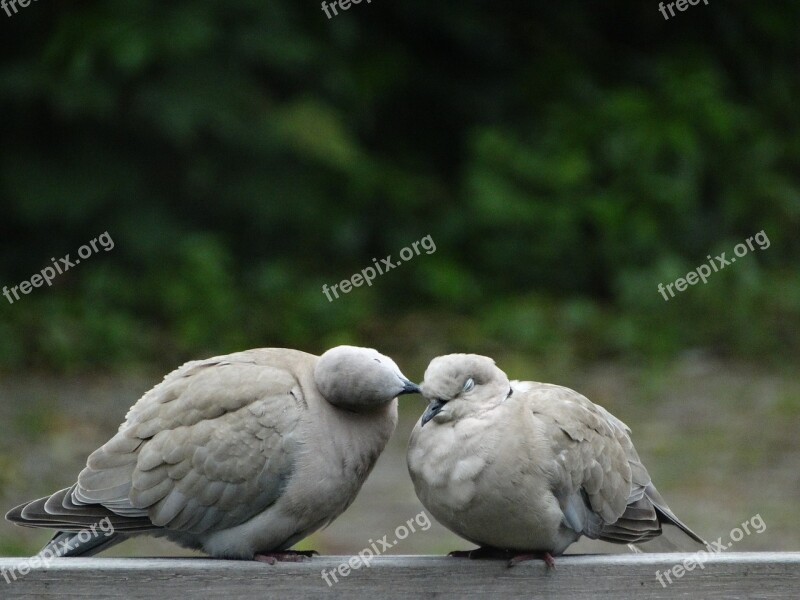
(237, 454)
(525, 466)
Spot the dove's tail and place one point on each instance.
(649, 523)
(667, 517)
(674, 534)
(82, 529)
(672, 539)
(82, 543)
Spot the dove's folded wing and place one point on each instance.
(208, 448)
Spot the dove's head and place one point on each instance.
(459, 385)
(360, 379)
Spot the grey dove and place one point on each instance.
(524, 469)
(240, 456)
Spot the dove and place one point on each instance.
(523, 469)
(240, 456)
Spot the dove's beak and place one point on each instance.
(434, 408)
(409, 387)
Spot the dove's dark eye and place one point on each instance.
(469, 384)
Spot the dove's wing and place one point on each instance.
(208, 448)
(602, 486)
(591, 475)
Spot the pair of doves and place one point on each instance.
(242, 456)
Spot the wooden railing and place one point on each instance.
(640, 576)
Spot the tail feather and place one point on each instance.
(58, 511)
(642, 522)
(672, 539)
(637, 524)
(71, 544)
(665, 515)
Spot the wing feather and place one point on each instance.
(602, 485)
(209, 447)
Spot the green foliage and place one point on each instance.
(566, 159)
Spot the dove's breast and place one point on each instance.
(334, 452)
(488, 487)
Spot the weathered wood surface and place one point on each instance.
(726, 575)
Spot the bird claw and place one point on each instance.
(545, 556)
(286, 556)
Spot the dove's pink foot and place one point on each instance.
(286, 556)
(545, 556)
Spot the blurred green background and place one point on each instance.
(565, 158)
